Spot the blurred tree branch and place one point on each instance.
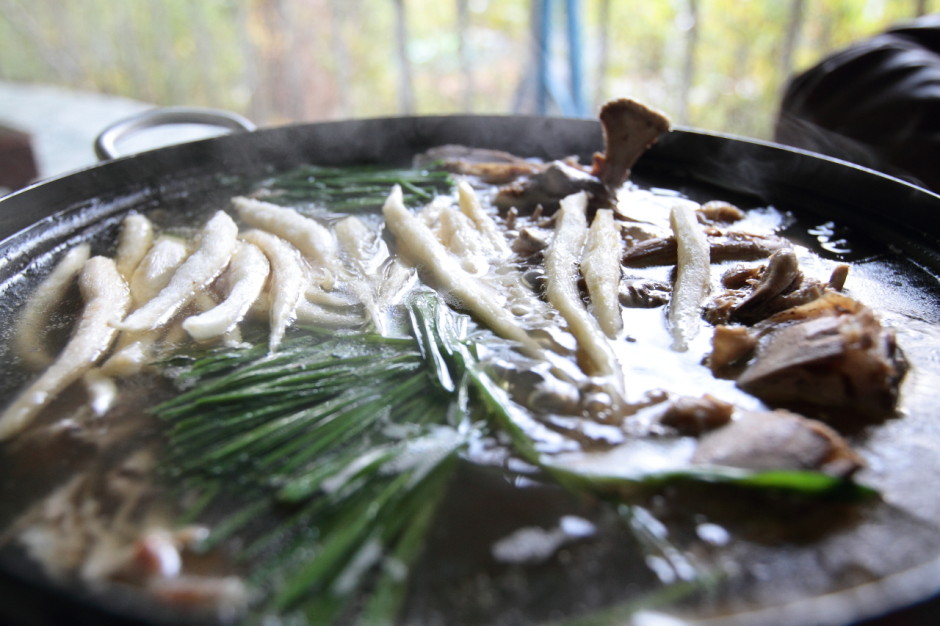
(406, 98)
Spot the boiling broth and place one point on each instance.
(708, 545)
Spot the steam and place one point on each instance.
(800, 133)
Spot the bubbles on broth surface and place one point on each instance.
(564, 533)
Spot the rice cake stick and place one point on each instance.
(248, 271)
(562, 261)
(34, 318)
(288, 282)
(420, 245)
(600, 267)
(134, 242)
(106, 300)
(692, 276)
(216, 245)
(156, 268)
(470, 206)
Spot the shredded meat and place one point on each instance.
(778, 440)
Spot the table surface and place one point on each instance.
(64, 123)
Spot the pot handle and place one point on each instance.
(106, 142)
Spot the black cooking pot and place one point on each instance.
(888, 221)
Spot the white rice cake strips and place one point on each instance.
(562, 264)
(133, 243)
(154, 271)
(478, 232)
(459, 235)
(287, 285)
(364, 253)
(314, 240)
(152, 274)
(692, 276)
(470, 206)
(246, 274)
(600, 267)
(106, 299)
(419, 244)
(317, 315)
(33, 320)
(216, 245)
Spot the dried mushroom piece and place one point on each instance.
(630, 129)
(765, 291)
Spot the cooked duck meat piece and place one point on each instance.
(694, 416)
(732, 347)
(720, 212)
(724, 246)
(781, 275)
(547, 187)
(530, 241)
(630, 129)
(718, 310)
(806, 291)
(779, 286)
(494, 167)
(643, 293)
(656, 251)
(778, 440)
(840, 364)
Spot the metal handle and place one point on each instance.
(106, 142)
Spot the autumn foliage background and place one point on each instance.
(716, 64)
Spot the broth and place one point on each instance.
(505, 539)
